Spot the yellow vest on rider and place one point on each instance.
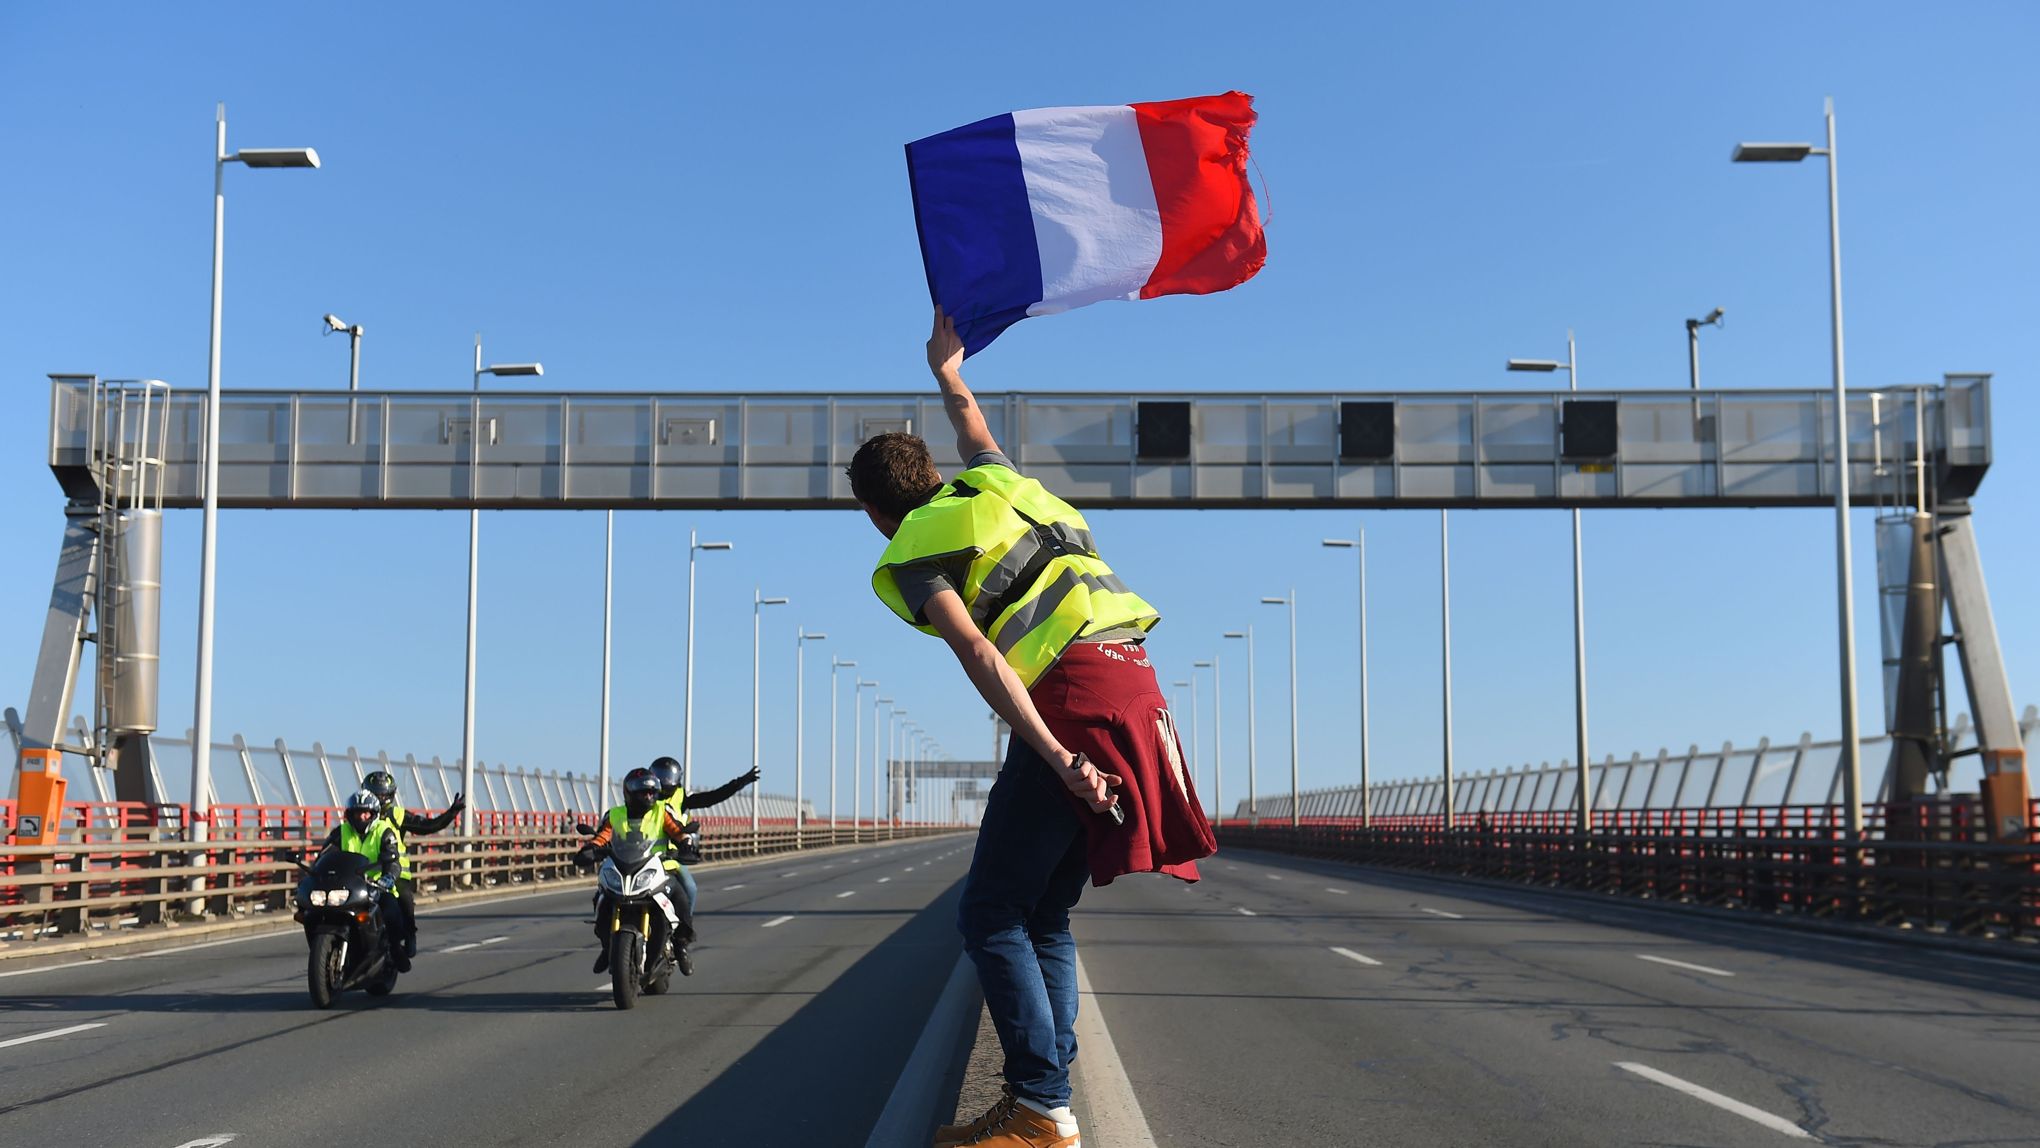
(368, 844)
(650, 827)
(395, 816)
(1035, 583)
(678, 804)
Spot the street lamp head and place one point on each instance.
(1234, 634)
(713, 546)
(1714, 317)
(1771, 152)
(505, 370)
(277, 157)
(1179, 685)
(1534, 365)
(807, 637)
(1274, 601)
(1201, 665)
(883, 701)
(841, 662)
(1340, 543)
(334, 323)
(772, 601)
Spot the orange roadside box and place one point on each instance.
(39, 812)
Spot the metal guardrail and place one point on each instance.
(109, 880)
(1915, 877)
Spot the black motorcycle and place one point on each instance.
(341, 910)
(638, 896)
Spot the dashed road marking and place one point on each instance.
(731, 888)
(1353, 956)
(35, 1036)
(1684, 965)
(1444, 914)
(1274, 876)
(1332, 889)
(495, 940)
(1244, 912)
(883, 880)
(846, 893)
(1727, 1104)
(461, 948)
(216, 1140)
(776, 922)
(789, 872)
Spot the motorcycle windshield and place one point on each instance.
(632, 853)
(339, 868)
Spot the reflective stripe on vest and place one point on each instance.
(395, 816)
(678, 804)
(367, 844)
(1035, 583)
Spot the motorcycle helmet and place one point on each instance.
(668, 772)
(383, 786)
(640, 792)
(362, 810)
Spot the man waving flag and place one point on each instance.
(1041, 211)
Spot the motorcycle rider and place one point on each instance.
(645, 813)
(404, 821)
(680, 802)
(363, 830)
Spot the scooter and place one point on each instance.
(341, 910)
(635, 885)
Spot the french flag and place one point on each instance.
(1041, 211)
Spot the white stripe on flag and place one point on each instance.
(1096, 225)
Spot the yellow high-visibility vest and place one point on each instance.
(1035, 583)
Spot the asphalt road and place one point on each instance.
(814, 977)
(1284, 1001)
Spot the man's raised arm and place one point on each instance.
(945, 358)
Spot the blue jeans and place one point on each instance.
(688, 887)
(1027, 873)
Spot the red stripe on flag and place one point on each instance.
(1197, 157)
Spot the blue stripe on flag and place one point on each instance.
(977, 233)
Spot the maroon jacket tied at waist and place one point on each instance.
(1102, 700)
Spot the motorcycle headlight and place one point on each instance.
(645, 880)
(317, 897)
(611, 879)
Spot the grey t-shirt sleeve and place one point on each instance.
(921, 581)
(993, 458)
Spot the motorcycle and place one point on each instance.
(634, 881)
(341, 910)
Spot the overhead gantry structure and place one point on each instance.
(1927, 446)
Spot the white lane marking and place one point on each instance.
(1116, 1117)
(789, 872)
(1273, 876)
(846, 893)
(1353, 956)
(1774, 1123)
(1232, 868)
(65, 965)
(883, 880)
(1330, 889)
(216, 1140)
(828, 866)
(495, 940)
(731, 888)
(1244, 912)
(908, 869)
(1684, 965)
(776, 922)
(603, 987)
(1444, 914)
(35, 1036)
(461, 948)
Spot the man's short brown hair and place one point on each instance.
(893, 474)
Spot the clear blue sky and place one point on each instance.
(713, 197)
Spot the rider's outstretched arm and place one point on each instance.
(721, 793)
(945, 359)
(413, 823)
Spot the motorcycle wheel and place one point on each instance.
(626, 966)
(322, 969)
(385, 982)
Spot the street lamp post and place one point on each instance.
(857, 749)
(608, 596)
(1844, 567)
(1359, 543)
(1253, 748)
(1295, 796)
(1583, 801)
(1445, 642)
(876, 702)
(758, 604)
(835, 688)
(1195, 752)
(801, 639)
(694, 547)
(477, 433)
(208, 550)
(1217, 740)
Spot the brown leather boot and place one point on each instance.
(952, 1134)
(1023, 1127)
